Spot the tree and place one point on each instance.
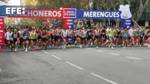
(141, 8)
(3, 0)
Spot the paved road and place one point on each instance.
(76, 66)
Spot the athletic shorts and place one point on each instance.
(44, 39)
(27, 39)
(136, 38)
(7, 41)
(14, 40)
(83, 38)
(33, 40)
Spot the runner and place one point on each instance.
(39, 38)
(83, 37)
(26, 35)
(33, 38)
(103, 36)
(131, 40)
(125, 37)
(78, 38)
(141, 37)
(136, 37)
(110, 36)
(97, 37)
(44, 38)
(89, 37)
(64, 36)
(9, 39)
(16, 39)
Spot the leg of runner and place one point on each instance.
(26, 45)
(16, 45)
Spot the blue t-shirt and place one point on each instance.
(26, 35)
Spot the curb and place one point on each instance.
(148, 45)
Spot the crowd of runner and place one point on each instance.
(43, 38)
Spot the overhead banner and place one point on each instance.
(69, 13)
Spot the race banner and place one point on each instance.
(69, 14)
(64, 13)
(98, 14)
(23, 12)
(2, 34)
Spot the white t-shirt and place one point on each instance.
(130, 32)
(8, 35)
(84, 33)
(64, 33)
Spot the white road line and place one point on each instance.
(76, 66)
(105, 79)
(116, 54)
(58, 58)
(45, 52)
(133, 58)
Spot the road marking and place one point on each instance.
(58, 58)
(76, 66)
(116, 54)
(45, 52)
(133, 58)
(105, 79)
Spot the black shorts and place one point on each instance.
(97, 37)
(59, 37)
(83, 38)
(44, 39)
(39, 37)
(55, 38)
(11, 42)
(33, 40)
(27, 39)
(21, 40)
(14, 40)
(89, 37)
(7, 41)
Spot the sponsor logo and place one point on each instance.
(69, 13)
(125, 11)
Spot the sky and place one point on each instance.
(11, 2)
(14, 2)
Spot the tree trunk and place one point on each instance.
(146, 23)
(141, 9)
